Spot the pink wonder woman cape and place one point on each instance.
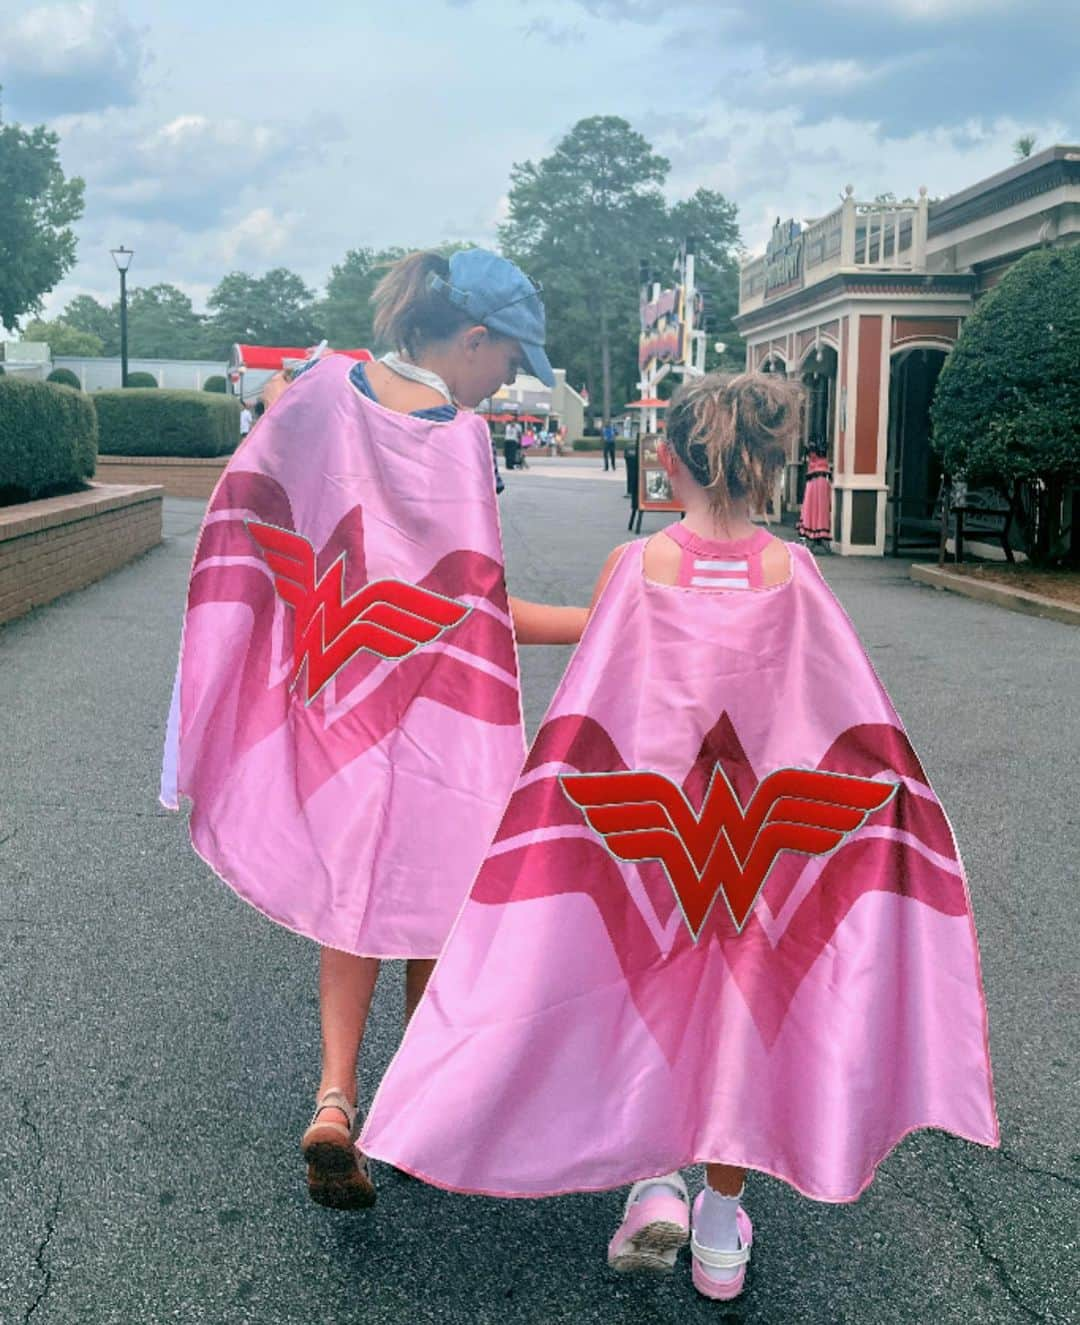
(723, 919)
(347, 720)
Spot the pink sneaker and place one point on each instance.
(653, 1229)
(703, 1258)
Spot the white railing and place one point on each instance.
(883, 236)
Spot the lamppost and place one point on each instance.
(122, 257)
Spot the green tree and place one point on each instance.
(84, 313)
(580, 220)
(162, 324)
(275, 309)
(1024, 146)
(62, 338)
(1007, 404)
(37, 209)
(346, 313)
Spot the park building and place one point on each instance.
(864, 305)
(559, 406)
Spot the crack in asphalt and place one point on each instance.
(52, 1217)
(1038, 1172)
(995, 1262)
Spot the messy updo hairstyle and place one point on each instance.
(734, 433)
(409, 311)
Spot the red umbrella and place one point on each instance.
(650, 402)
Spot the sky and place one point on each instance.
(248, 136)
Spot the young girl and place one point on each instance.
(346, 718)
(723, 920)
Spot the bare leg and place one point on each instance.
(346, 984)
(417, 973)
(724, 1179)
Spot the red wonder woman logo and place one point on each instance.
(725, 849)
(389, 618)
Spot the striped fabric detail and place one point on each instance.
(706, 573)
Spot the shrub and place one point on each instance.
(589, 444)
(1007, 405)
(48, 439)
(141, 381)
(180, 423)
(64, 377)
(216, 383)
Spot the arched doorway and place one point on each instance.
(819, 371)
(913, 469)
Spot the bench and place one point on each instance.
(981, 514)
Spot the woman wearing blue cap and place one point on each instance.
(347, 720)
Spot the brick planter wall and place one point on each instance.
(50, 547)
(180, 476)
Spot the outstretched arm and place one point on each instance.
(542, 623)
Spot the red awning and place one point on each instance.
(650, 402)
(272, 357)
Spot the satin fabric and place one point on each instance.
(359, 818)
(576, 1037)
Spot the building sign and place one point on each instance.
(662, 328)
(784, 257)
(654, 486)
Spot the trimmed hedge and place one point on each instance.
(175, 423)
(64, 377)
(141, 381)
(216, 383)
(1007, 404)
(48, 439)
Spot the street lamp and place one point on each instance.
(122, 257)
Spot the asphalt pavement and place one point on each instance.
(160, 1038)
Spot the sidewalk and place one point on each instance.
(567, 466)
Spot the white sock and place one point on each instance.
(659, 1188)
(715, 1228)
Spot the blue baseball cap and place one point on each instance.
(501, 297)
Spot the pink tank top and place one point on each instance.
(708, 563)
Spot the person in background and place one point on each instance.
(511, 447)
(246, 419)
(609, 444)
(815, 519)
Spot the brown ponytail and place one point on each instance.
(409, 313)
(733, 434)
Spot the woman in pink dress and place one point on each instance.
(815, 519)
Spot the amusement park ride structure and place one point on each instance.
(671, 337)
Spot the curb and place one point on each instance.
(1015, 600)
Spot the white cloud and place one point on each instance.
(259, 235)
(940, 11)
(819, 76)
(66, 58)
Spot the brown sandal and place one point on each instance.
(337, 1173)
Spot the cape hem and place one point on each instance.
(385, 1158)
